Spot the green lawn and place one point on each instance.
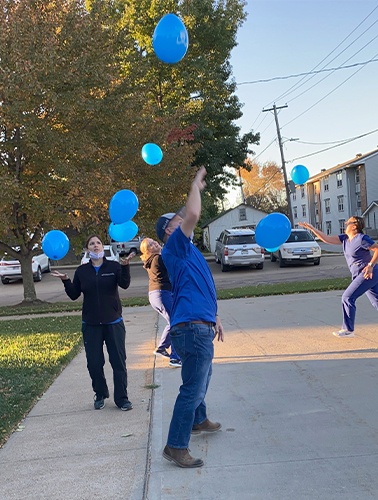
(32, 353)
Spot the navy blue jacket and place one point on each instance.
(101, 303)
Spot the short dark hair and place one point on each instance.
(360, 223)
(90, 237)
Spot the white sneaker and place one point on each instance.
(343, 333)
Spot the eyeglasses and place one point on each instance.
(351, 222)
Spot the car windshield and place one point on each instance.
(242, 239)
(107, 252)
(300, 236)
(8, 258)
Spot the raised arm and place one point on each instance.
(193, 204)
(332, 240)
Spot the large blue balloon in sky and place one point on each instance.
(151, 153)
(300, 174)
(170, 39)
(123, 232)
(123, 206)
(273, 230)
(55, 244)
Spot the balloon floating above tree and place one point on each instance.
(273, 230)
(170, 39)
(55, 244)
(152, 154)
(123, 206)
(123, 232)
(300, 174)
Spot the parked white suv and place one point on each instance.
(10, 269)
(127, 246)
(300, 247)
(238, 247)
(108, 252)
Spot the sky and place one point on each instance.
(281, 38)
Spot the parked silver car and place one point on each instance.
(300, 247)
(238, 247)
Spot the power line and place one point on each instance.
(333, 147)
(308, 73)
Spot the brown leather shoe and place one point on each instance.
(181, 457)
(206, 426)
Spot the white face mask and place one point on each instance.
(96, 256)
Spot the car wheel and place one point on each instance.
(273, 258)
(281, 260)
(38, 275)
(317, 262)
(216, 259)
(133, 250)
(4, 281)
(224, 267)
(260, 266)
(48, 268)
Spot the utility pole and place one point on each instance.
(283, 163)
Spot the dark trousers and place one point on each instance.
(94, 337)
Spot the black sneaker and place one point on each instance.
(99, 402)
(126, 406)
(176, 363)
(161, 352)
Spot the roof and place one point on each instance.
(230, 210)
(372, 204)
(358, 159)
(240, 231)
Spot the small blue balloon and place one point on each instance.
(123, 232)
(170, 39)
(55, 244)
(123, 206)
(273, 230)
(300, 174)
(151, 153)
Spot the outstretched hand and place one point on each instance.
(124, 261)
(58, 274)
(199, 179)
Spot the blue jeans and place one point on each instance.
(161, 301)
(358, 287)
(194, 344)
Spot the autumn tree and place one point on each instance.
(263, 186)
(72, 127)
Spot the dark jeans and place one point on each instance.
(113, 336)
(194, 344)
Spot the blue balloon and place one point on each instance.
(271, 250)
(55, 244)
(123, 232)
(273, 230)
(152, 154)
(123, 206)
(170, 39)
(300, 174)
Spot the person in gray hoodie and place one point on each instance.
(159, 295)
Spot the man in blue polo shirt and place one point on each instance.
(194, 324)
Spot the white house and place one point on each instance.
(242, 216)
(371, 219)
(329, 198)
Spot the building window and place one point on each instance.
(242, 213)
(327, 204)
(316, 205)
(326, 185)
(358, 201)
(302, 192)
(295, 212)
(294, 196)
(340, 203)
(328, 227)
(357, 175)
(339, 178)
(303, 210)
(341, 225)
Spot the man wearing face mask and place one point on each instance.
(102, 322)
(194, 324)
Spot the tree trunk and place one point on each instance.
(30, 295)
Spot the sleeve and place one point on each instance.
(123, 276)
(73, 289)
(342, 237)
(366, 242)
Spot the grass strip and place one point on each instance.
(32, 354)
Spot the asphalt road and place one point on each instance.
(51, 289)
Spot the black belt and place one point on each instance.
(196, 322)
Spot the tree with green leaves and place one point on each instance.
(72, 127)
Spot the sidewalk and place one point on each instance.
(298, 409)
